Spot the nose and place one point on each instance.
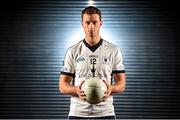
(91, 25)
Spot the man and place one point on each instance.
(107, 61)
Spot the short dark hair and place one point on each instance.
(91, 10)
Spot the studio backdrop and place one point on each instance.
(35, 34)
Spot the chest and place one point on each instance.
(101, 59)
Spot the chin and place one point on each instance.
(91, 34)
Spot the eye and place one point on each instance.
(87, 22)
(94, 22)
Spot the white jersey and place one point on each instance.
(79, 60)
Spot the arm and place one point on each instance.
(119, 75)
(67, 88)
(120, 83)
(119, 86)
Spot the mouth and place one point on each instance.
(91, 32)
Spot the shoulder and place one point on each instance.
(110, 46)
(74, 47)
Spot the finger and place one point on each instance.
(106, 95)
(80, 85)
(80, 92)
(81, 95)
(105, 98)
(106, 83)
(83, 98)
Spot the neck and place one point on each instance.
(92, 40)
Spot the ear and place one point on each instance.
(101, 22)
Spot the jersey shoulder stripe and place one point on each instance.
(68, 74)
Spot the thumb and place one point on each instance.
(107, 84)
(80, 85)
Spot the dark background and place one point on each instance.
(34, 35)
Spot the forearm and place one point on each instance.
(116, 88)
(120, 83)
(68, 89)
(65, 87)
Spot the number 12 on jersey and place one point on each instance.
(92, 60)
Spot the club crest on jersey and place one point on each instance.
(80, 59)
(105, 60)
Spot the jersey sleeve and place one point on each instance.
(118, 66)
(68, 64)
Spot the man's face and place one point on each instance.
(91, 24)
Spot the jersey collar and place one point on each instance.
(93, 48)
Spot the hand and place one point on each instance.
(108, 92)
(80, 92)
